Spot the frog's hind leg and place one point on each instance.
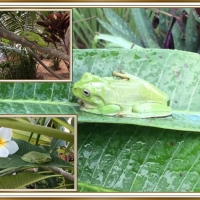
(150, 109)
(104, 110)
(123, 75)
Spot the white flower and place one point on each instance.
(7, 146)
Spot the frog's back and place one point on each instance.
(125, 91)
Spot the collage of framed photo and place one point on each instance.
(99, 100)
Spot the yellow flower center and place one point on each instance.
(2, 142)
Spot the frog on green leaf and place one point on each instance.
(130, 96)
(36, 157)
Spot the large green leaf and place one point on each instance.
(164, 20)
(174, 72)
(130, 158)
(191, 33)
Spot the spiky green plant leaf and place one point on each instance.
(145, 28)
(191, 34)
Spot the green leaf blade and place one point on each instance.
(145, 28)
(191, 33)
(121, 26)
(117, 40)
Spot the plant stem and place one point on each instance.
(26, 126)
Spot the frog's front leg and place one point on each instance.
(150, 109)
(105, 110)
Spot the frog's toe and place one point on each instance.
(114, 73)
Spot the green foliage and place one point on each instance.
(86, 25)
(149, 28)
(15, 21)
(22, 179)
(37, 28)
(17, 64)
(24, 171)
(128, 158)
(130, 155)
(122, 139)
(55, 63)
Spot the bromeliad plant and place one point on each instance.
(38, 154)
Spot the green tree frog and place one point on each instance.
(34, 37)
(36, 157)
(130, 96)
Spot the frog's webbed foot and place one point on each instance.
(151, 109)
(104, 110)
(119, 115)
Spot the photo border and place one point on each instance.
(79, 195)
(24, 192)
(44, 8)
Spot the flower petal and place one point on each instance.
(11, 146)
(6, 133)
(3, 152)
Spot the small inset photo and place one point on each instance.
(35, 45)
(38, 153)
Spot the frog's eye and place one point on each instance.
(86, 93)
